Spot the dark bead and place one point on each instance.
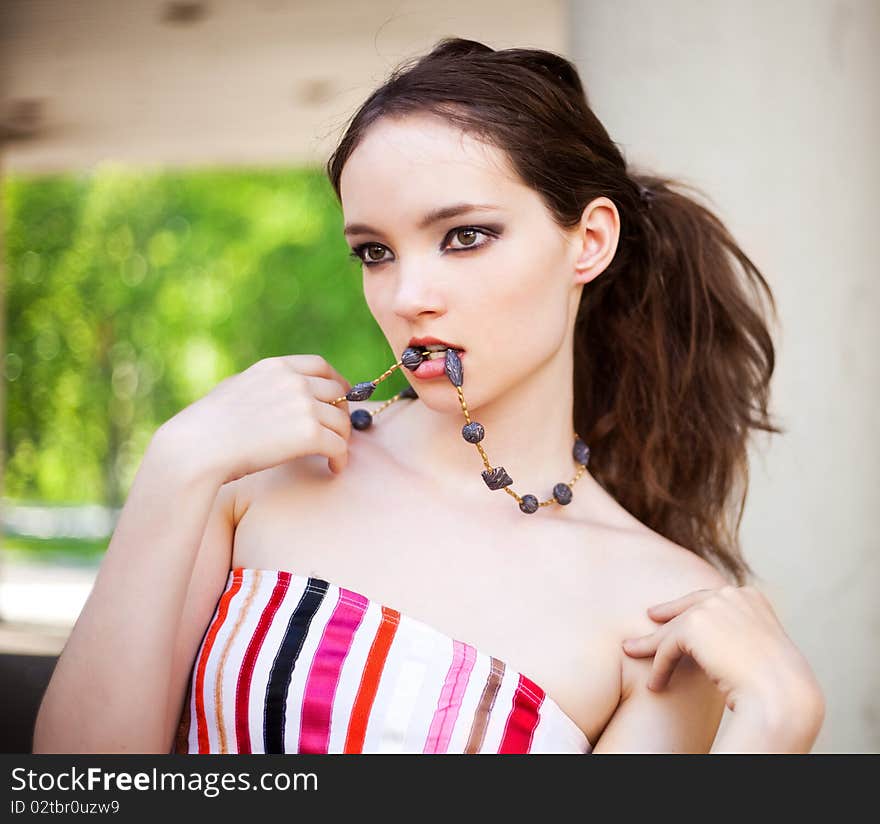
(409, 392)
(411, 358)
(562, 493)
(361, 419)
(453, 367)
(581, 452)
(473, 432)
(360, 391)
(528, 504)
(497, 478)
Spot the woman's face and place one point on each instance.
(497, 281)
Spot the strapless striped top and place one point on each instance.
(296, 664)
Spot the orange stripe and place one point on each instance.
(222, 612)
(369, 685)
(218, 683)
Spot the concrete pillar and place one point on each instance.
(773, 109)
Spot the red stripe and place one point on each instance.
(222, 612)
(243, 688)
(523, 717)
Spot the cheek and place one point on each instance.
(512, 279)
(520, 313)
(528, 286)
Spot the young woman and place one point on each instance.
(253, 601)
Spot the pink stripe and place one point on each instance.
(243, 688)
(523, 717)
(324, 672)
(449, 702)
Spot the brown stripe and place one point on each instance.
(484, 708)
(218, 682)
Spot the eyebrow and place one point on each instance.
(434, 216)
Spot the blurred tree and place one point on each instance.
(131, 294)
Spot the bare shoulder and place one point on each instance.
(246, 489)
(656, 570)
(665, 570)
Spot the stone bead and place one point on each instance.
(528, 504)
(497, 478)
(360, 391)
(562, 493)
(453, 367)
(473, 432)
(361, 419)
(409, 392)
(411, 358)
(581, 452)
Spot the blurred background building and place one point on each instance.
(772, 109)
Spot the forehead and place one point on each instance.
(418, 161)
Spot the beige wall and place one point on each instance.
(773, 108)
(247, 82)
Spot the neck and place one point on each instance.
(529, 430)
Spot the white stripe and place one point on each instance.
(350, 676)
(500, 711)
(266, 658)
(426, 702)
(469, 703)
(213, 662)
(296, 691)
(398, 690)
(235, 657)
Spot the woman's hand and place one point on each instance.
(275, 410)
(735, 636)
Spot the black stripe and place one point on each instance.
(285, 661)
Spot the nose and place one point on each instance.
(417, 290)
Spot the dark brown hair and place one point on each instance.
(672, 355)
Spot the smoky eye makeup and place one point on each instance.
(488, 233)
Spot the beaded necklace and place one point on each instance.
(473, 432)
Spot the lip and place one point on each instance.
(428, 341)
(430, 369)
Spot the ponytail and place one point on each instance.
(672, 367)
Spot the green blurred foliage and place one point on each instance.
(130, 294)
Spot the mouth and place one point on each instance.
(434, 345)
(433, 364)
(440, 354)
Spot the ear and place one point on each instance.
(596, 238)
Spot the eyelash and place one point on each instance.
(356, 252)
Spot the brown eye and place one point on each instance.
(464, 234)
(469, 236)
(377, 249)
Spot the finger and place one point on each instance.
(336, 450)
(328, 389)
(669, 653)
(669, 609)
(335, 418)
(316, 365)
(336, 422)
(643, 646)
